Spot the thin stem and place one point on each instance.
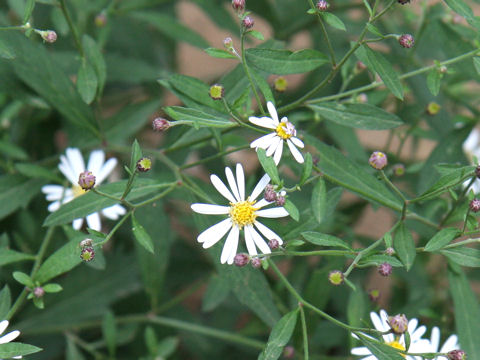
(247, 72)
(158, 197)
(304, 333)
(460, 198)
(72, 27)
(361, 254)
(313, 253)
(325, 34)
(213, 157)
(466, 219)
(123, 201)
(115, 228)
(85, 346)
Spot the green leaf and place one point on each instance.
(292, 210)
(360, 116)
(23, 279)
(8, 256)
(442, 238)
(141, 235)
(167, 346)
(36, 171)
(374, 30)
(135, 155)
(461, 8)
(380, 350)
(28, 11)
(5, 301)
(467, 313)
(333, 21)
(307, 169)
(12, 349)
(476, 64)
(375, 260)
(217, 291)
(404, 246)
(280, 336)
(324, 239)
(198, 118)
(52, 288)
(109, 331)
(319, 200)
(6, 51)
(220, 53)
(434, 78)
(263, 86)
(95, 58)
(376, 62)
(463, 256)
(11, 186)
(87, 82)
(268, 165)
(256, 34)
(282, 62)
(12, 151)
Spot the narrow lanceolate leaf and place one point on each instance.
(109, 331)
(23, 279)
(12, 349)
(292, 210)
(404, 246)
(11, 186)
(268, 165)
(5, 301)
(307, 169)
(380, 350)
(333, 21)
(461, 8)
(87, 82)
(141, 235)
(319, 200)
(197, 118)
(467, 313)
(463, 256)
(30, 5)
(324, 239)
(360, 116)
(95, 58)
(8, 256)
(220, 53)
(217, 290)
(434, 78)
(476, 64)
(442, 239)
(280, 336)
(282, 62)
(135, 155)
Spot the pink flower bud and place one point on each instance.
(288, 352)
(280, 200)
(273, 244)
(389, 251)
(322, 5)
(87, 254)
(86, 180)
(457, 355)
(238, 5)
(49, 36)
(86, 243)
(385, 269)
(38, 292)
(248, 22)
(160, 124)
(256, 263)
(398, 323)
(406, 41)
(475, 205)
(270, 194)
(378, 160)
(241, 260)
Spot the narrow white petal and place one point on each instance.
(221, 188)
(232, 183)
(295, 152)
(114, 211)
(230, 244)
(273, 145)
(95, 161)
(265, 122)
(249, 241)
(450, 344)
(54, 206)
(241, 181)
(75, 159)
(9, 337)
(105, 170)
(435, 339)
(298, 143)
(259, 242)
(273, 112)
(269, 234)
(361, 351)
(377, 321)
(260, 186)
(214, 232)
(418, 333)
(275, 212)
(234, 247)
(262, 203)
(77, 223)
(67, 171)
(93, 221)
(210, 209)
(53, 196)
(3, 326)
(472, 141)
(412, 325)
(278, 153)
(263, 142)
(384, 318)
(52, 189)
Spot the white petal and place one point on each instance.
(221, 188)
(298, 143)
(472, 141)
(54, 206)
(273, 112)
(230, 245)
(241, 181)
(234, 246)
(262, 203)
(95, 161)
(67, 170)
(53, 189)
(105, 170)
(77, 223)
(435, 339)
(75, 159)
(269, 234)
(264, 141)
(232, 183)
(418, 333)
(273, 145)
(3, 326)
(361, 351)
(214, 233)
(278, 153)
(265, 122)
(114, 211)
(412, 325)
(93, 221)
(259, 187)
(377, 321)
(261, 244)
(210, 209)
(9, 337)
(54, 196)
(296, 154)
(450, 344)
(249, 241)
(275, 212)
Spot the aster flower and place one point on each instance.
(12, 335)
(417, 344)
(241, 214)
(273, 142)
(71, 165)
(471, 148)
(450, 344)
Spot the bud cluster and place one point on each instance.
(271, 195)
(398, 324)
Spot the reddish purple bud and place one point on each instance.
(398, 323)
(270, 194)
(273, 244)
(238, 5)
(288, 352)
(87, 254)
(336, 277)
(475, 205)
(457, 355)
(322, 5)
(378, 160)
(49, 36)
(374, 295)
(280, 200)
(38, 292)
(406, 41)
(144, 164)
(248, 22)
(160, 124)
(241, 259)
(86, 180)
(256, 263)
(385, 269)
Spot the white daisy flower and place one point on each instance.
(450, 344)
(471, 148)
(242, 214)
(273, 142)
(12, 335)
(71, 165)
(417, 344)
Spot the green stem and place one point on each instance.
(247, 72)
(85, 346)
(115, 228)
(459, 200)
(361, 254)
(158, 197)
(213, 157)
(108, 196)
(78, 43)
(466, 219)
(325, 34)
(304, 333)
(313, 253)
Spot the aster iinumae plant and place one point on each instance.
(12, 335)
(242, 214)
(284, 131)
(71, 165)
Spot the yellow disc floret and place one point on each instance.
(77, 191)
(285, 130)
(396, 345)
(243, 213)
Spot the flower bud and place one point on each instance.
(86, 180)
(398, 169)
(457, 355)
(322, 5)
(433, 108)
(87, 254)
(144, 164)
(336, 277)
(288, 352)
(361, 98)
(403, 2)
(217, 92)
(385, 269)
(160, 124)
(374, 295)
(406, 41)
(49, 36)
(475, 205)
(256, 263)
(270, 194)
(86, 243)
(273, 244)
(477, 171)
(442, 69)
(248, 22)
(280, 200)
(38, 292)
(378, 160)
(238, 5)
(241, 259)
(398, 323)
(280, 84)
(389, 251)
(228, 43)
(100, 20)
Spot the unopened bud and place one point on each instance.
(256, 263)
(270, 194)
(457, 355)
(228, 43)
(38, 292)
(217, 92)
(378, 160)
(406, 41)
(385, 269)
(86, 242)
(49, 36)
(442, 69)
(374, 295)
(389, 251)
(398, 169)
(398, 323)
(238, 5)
(87, 254)
(322, 5)
(160, 124)
(273, 244)
(335, 277)
(475, 205)
(86, 180)
(144, 164)
(288, 352)
(433, 108)
(241, 259)
(280, 84)
(248, 22)
(362, 98)
(100, 20)
(280, 200)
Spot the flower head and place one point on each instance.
(248, 22)
(284, 131)
(12, 335)
(457, 355)
(322, 5)
(160, 124)
(71, 165)
(398, 323)
(87, 254)
(217, 92)
(144, 164)
(336, 277)
(406, 41)
(86, 180)
(242, 214)
(450, 345)
(385, 269)
(378, 160)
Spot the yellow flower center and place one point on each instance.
(77, 191)
(285, 130)
(396, 345)
(243, 213)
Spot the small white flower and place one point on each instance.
(417, 344)
(12, 335)
(242, 214)
(471, 148)
(450, 344)
(71, 165)
(273, 142)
